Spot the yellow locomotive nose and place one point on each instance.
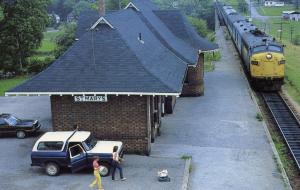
(267, 65)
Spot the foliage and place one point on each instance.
(296, 4)
(199, 24)
(21, 31)
(1, 13)
(38, 65)
(203, 9)
(116, 4)
(7, 84)
(242, 6)
(186, 157)
(65, 38)
(79, 7)
(296, 40)
(259, 117)
(209, 59)
(64, 7)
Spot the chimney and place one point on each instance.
(102, 7)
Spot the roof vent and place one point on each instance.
(131, 5)
(140, 38)
(101, 20)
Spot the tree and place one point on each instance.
(21, 31)
(116, 4)
(200, 25)
(65, 38)
(80, 6)
(296, 3)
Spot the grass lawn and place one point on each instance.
(48, 43)
(47, 47)
(273, 11)
(7, 84)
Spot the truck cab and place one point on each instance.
(74, 150)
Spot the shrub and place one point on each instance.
(200, 25)
(296, 40)
(38, 65)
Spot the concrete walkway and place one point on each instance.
(229, 146)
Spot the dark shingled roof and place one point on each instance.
(113, 60)
(178, 24)
(179, 47)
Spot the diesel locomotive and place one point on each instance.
(262, 56)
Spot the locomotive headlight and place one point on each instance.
(254, 62)
(269, 56)
(281, 62)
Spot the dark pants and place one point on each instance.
(116, 165)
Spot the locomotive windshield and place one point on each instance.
(267, 48)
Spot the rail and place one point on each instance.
(286, 121)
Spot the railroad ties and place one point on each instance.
(286, 121)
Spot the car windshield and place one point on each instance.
(90, 142)
(11, 120)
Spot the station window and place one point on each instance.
(50, 145)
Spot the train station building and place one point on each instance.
(123, 73)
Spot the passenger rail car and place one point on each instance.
(262, 56)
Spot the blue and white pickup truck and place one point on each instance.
(74, 150)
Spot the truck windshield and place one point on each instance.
(90, 142)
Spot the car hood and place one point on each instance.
(26, 123)
(105, 147)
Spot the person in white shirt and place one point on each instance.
(116, 164)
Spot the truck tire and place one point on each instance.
(104, 169)
(21, 134)
(52, 169)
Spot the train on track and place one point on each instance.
(262, 56)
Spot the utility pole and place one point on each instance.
(250, 10)
(280, 31)
(292, 30)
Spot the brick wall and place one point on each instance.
(121, 118)
(194, 85)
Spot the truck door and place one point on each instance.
(78, 159)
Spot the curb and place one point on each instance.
(186, 174)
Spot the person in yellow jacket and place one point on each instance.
(97, 180)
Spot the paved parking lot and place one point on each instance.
(16, 172)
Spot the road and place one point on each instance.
(255, 14)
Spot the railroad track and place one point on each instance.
(286, 121)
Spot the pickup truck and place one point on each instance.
(74, 150)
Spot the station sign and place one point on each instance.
(90, 98)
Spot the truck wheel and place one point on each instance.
(21, 134)
(52, 169)
(104, 169)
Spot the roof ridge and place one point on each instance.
(163, 41)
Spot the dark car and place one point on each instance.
(20, 127)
